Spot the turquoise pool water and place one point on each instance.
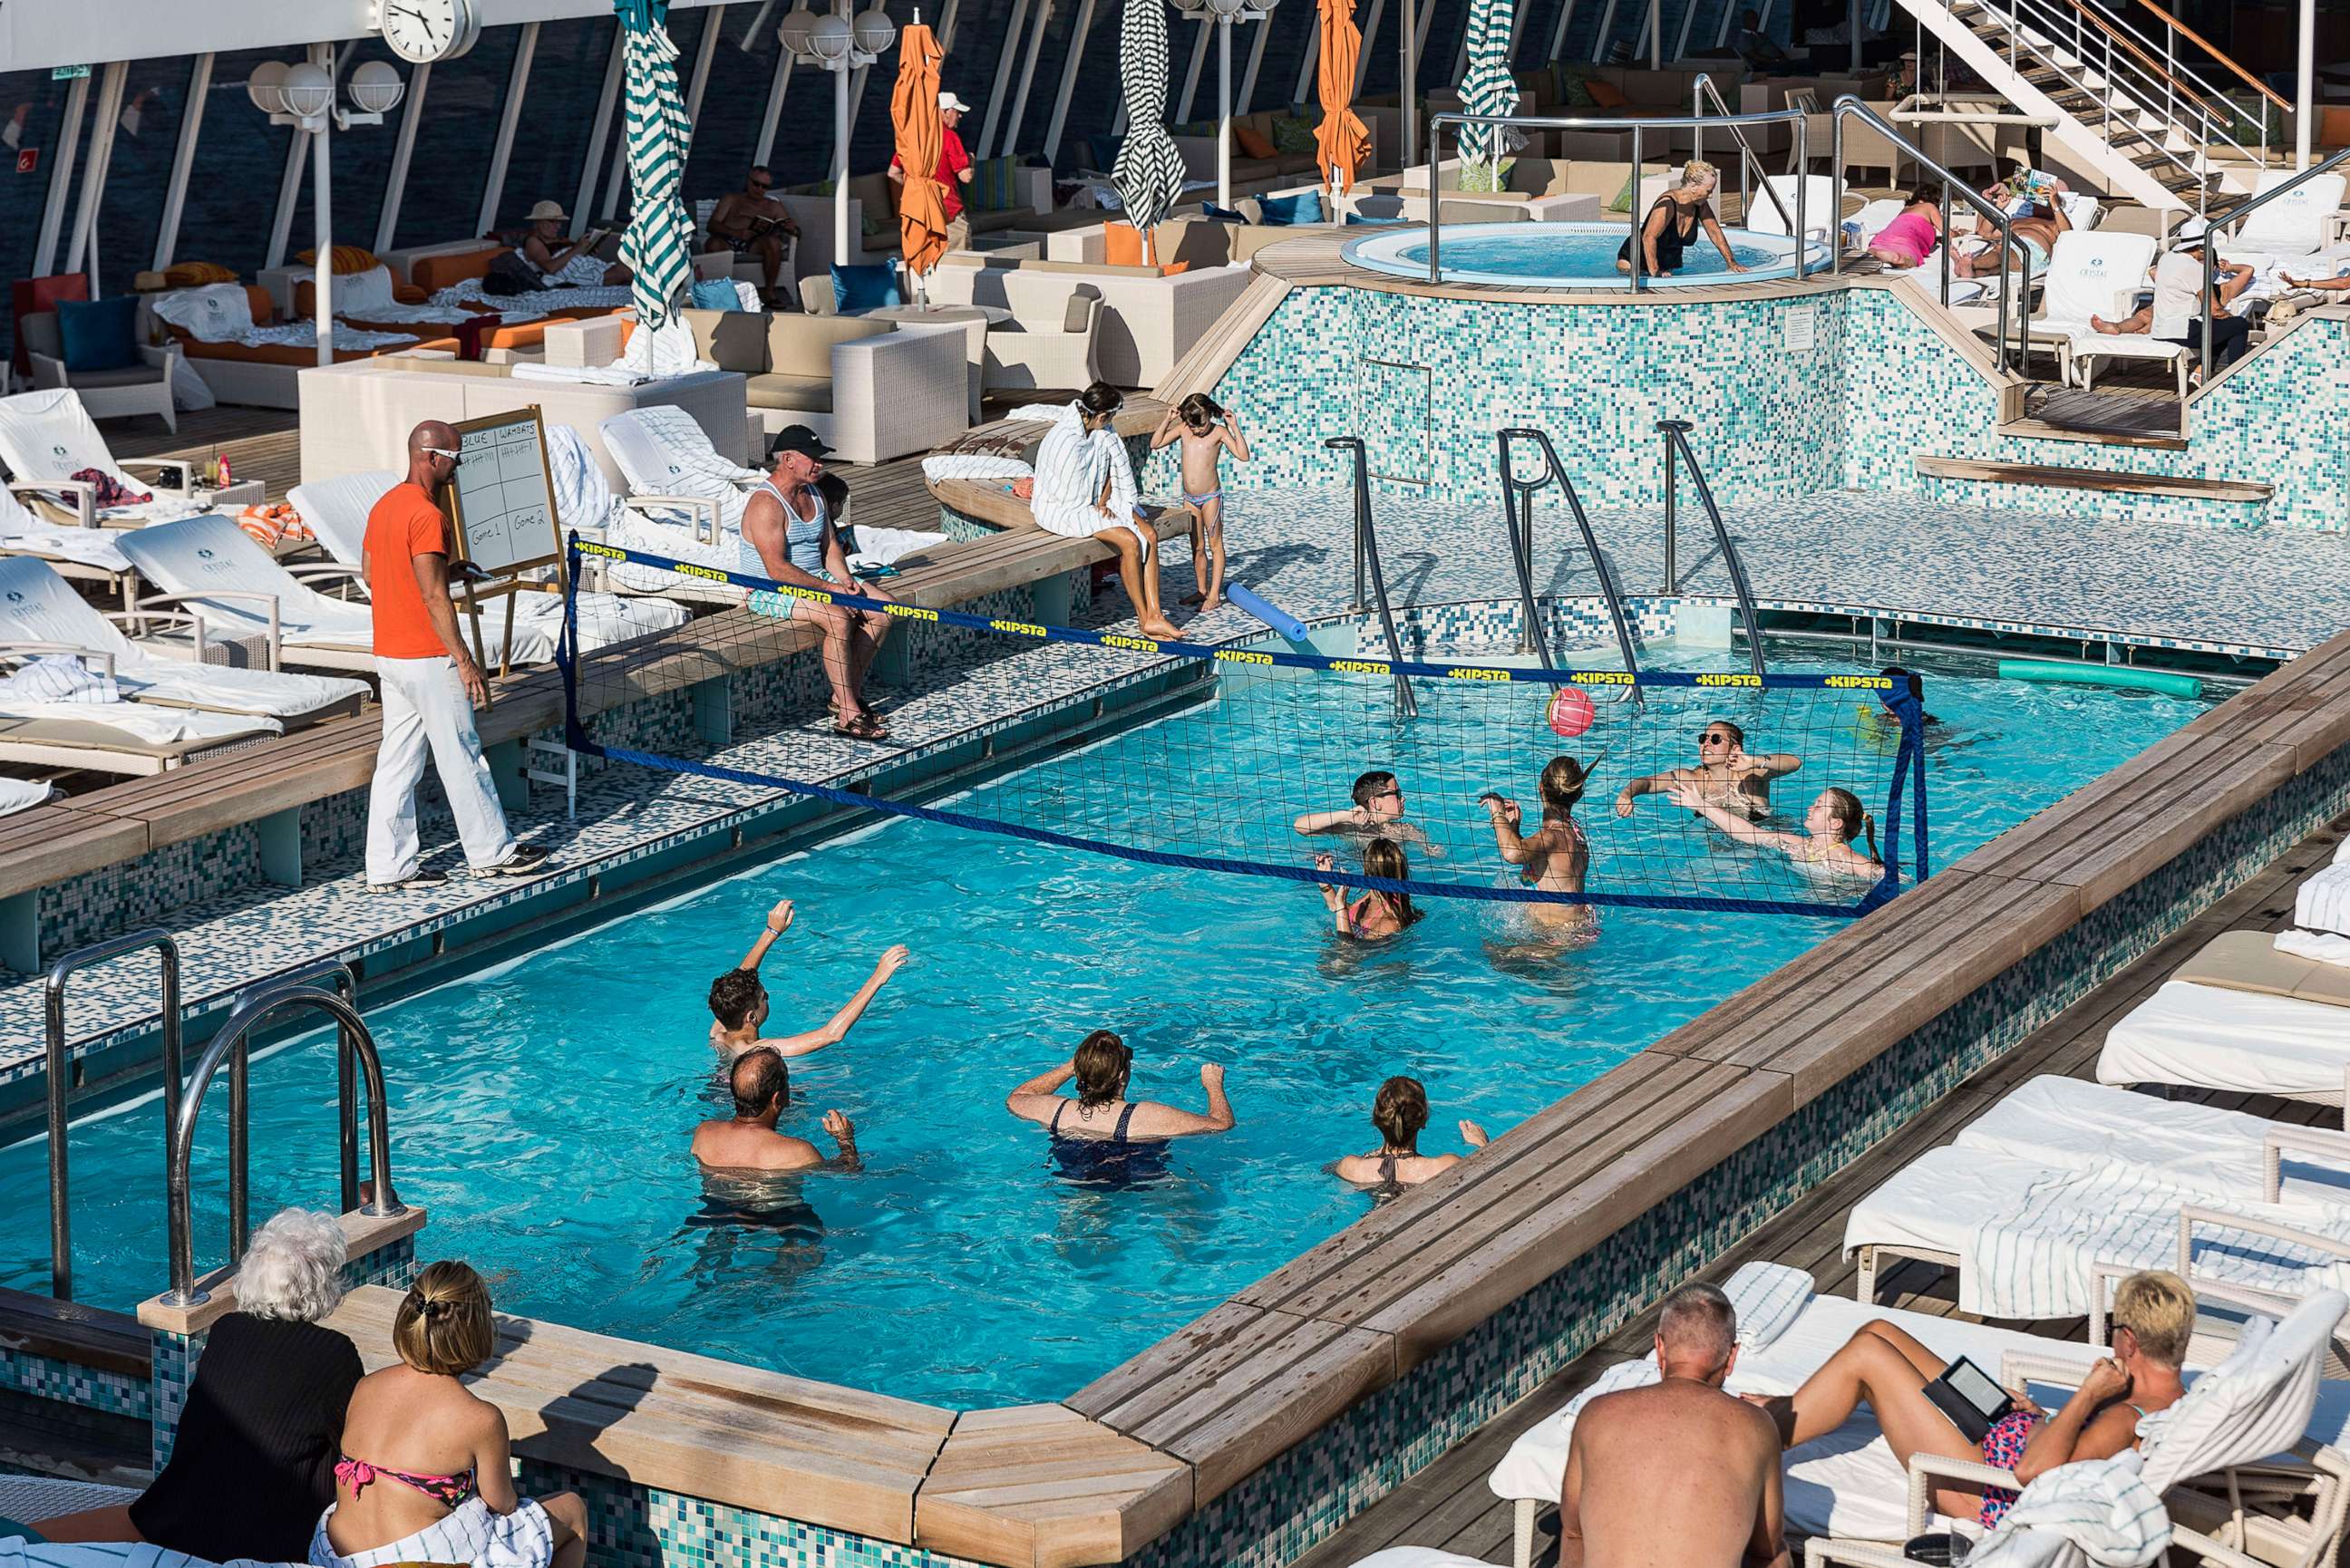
(1548, 254)
(541, 1109)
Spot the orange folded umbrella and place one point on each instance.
(914, 116)
(1340, 136)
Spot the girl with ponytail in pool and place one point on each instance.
(1555, 857)
(1825, 846)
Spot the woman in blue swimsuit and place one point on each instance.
(1101, 1134)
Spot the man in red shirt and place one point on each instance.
(430, 684)
(953, 170)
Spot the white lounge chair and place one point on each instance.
(1848, 1485)
(337, 511)
(2202, 1036)
(668, 460)
(84, 552)
(2089, 275)
(37, 606)
(2293, 230)
(114, 736)
(48, 437)
(2285, 963)
(1823, 206)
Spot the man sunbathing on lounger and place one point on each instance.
(1887, 1369)
(1678, 1471)
(739, 1001)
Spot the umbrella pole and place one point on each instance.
(1410, 96)
(1223, 25)
(839, 163)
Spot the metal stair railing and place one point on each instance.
(58, 1068)
(1676, 446)
(257, 1007)
(1367, 560)
(1518, 508)
(1849, 107)
(346, 982)
(1703, 88)
(2236, 214)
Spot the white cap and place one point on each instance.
(948, 100)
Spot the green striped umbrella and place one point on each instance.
(1488, 89)
(658, 245)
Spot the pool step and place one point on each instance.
(2111, 482)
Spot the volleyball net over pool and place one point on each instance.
(1259, 761)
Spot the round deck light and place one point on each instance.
(376, 87)
(874, 31)
(793, 32)
(830, 38)
(308, 90)
(266, 86)
(1227, 7)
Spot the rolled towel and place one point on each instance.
(2324, 902)
(59, 678)
(2323, 946)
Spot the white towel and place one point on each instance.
(974, 465)
(2093, 1512)
(2324, 947)
(58, 677)
(2324, 902)
(87, 546)
(586, 375)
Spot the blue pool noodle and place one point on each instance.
(1271, 613)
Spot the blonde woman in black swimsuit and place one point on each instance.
(1400, 1113)
(1673, 223)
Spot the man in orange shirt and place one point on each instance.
(430, 684)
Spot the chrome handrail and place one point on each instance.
(247, 1016)
(1694, 122)
(1847, 106)
(1700, 90)
(53, 1010)
(1367, 554)
(1518, 504)
(346, 985)
(1677, 444)
(2236, 214)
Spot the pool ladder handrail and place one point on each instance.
(1694, 123)
(1677, 451)
(1367, 555)
(58, 1068)
(1702, 89)
(256, 1006)
(1518, 510)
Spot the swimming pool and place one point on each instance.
(1548, 255)
(540, 1108)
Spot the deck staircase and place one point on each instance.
(2156, 130)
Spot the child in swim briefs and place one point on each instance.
(1206, 432)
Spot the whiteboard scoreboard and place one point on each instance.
(501, 498)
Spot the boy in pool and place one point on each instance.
(740, 1002)
(1377, 813)
(1207, 432)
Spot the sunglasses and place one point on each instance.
(760, 184)
(454, 457)
(1395, 793)
(1713, 740)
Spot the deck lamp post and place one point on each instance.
(1223, 15)
(303, 96)
(835, 41)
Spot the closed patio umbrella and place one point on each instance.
(1488, 88)
(914, 115)
(1340, 136)
(1149, 172)
(657, 244)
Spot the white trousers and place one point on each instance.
(425, 712)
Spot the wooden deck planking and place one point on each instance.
(1450, 1506)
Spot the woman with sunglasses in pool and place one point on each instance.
(1825, 846)
(1725, 776)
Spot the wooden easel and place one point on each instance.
(502, 568)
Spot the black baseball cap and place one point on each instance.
(800, 438)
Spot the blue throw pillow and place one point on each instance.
(716, 294)
(1222, 215)
(865, 287)
(1287, 212)
(100, 334)
(1356, 221)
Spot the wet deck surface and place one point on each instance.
(1448, 1505)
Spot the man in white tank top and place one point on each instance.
(787, 521)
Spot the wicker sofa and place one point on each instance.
(871, 389)
(1150, 318)
(875, 195)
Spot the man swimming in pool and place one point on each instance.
(1725, 774)
(762, 1087)
(1377, 813)
(740, 1002)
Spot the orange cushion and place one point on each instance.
(1122, 244)
(1171, 268)
(195, 275)
(1606, 94)
(2334, 129)
(264, 309)
(431, 273)
(346, 259)
(1252, 142)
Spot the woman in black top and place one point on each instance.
(263, 1420)
(1674, 221)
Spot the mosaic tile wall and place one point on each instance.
(117, 899)
(1875, 385)
(86, 1387)
(334, 829)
